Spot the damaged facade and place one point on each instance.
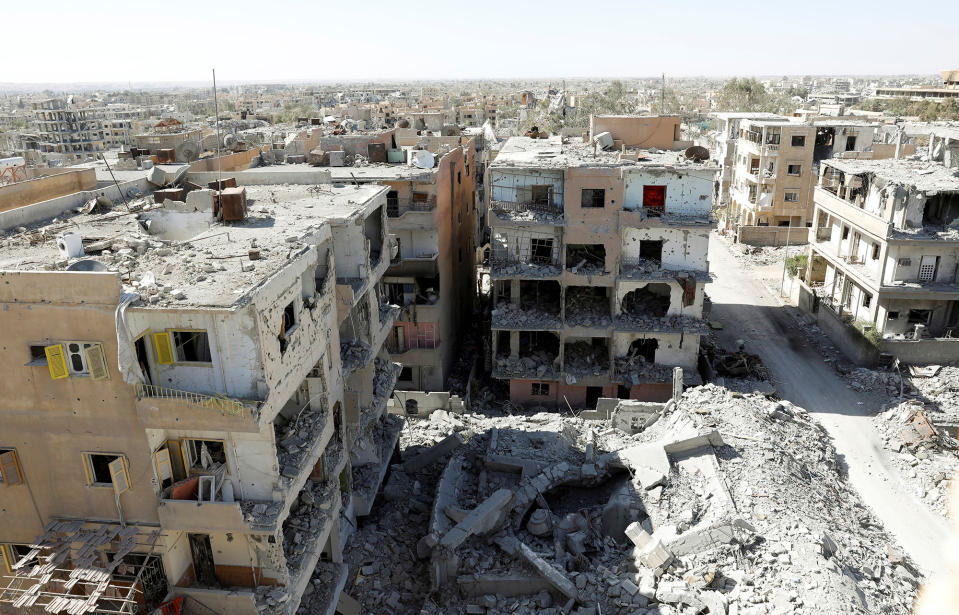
(770, 164)
(887, 252)
(598, 263)
(214, 396)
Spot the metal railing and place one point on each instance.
(524, 206)
(222, 403)
(397, 207)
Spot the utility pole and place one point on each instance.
(216, 115)
(662, 97)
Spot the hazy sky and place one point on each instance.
(276, 40)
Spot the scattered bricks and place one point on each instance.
(647, 584)
(702, 538)
(677, 592)
(629, 587)
(434, 454)
(655, 556)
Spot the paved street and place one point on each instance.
(749, 311)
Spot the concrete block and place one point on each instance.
(637, 535)
(156, 176)
(434, 454)
(705, 438)
(200, 200)
(507, 585)
(425, 545)
(643, 455)
(178, 206)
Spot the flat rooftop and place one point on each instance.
(747, 115)
(924, 176)
(365, 173)
(553, 153)
(208, 265)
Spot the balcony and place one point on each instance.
(160, 407)
(662, 324)
(418, 266)
(531, 318)
(367, 478)
(863, 220)
(526, 213)
(397, 208)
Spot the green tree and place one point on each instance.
(749, 95)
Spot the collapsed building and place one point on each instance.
(887, 251)
(598, 263)
(714, 502)
(212, 376)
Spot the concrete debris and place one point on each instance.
(536, 364)
(509, 316)
(434, 454)
(720, 506)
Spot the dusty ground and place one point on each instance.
(749, 310)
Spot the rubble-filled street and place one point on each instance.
(725, 503)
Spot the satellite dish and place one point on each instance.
(87, 265)
(229, 142)
(188, 151)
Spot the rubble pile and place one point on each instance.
(509, 316)
(530, 270)
(353, 354)
(296, 437)
(676, 322)
(585, 359)
(527, 215)
(920, 429)
(540, 364)
(584, 310)
(728, 503)
(634, 369)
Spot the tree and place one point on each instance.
(749, 95)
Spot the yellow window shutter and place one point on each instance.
(161, 343)
(10, 468)
(163, 465)
(97, 362)
(56, 361)
(118, 473)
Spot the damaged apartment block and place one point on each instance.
(245, 375)
(885, 256)
(596, 246)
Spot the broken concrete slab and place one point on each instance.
(507, 585)
(434, 454)
(554, 577)
(702, 538)
(482, 519)
(703, 438)
(200, 200)
(509, 463)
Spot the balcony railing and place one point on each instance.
(221, 403)
(416, 343)
(547, 208)
(397, 207)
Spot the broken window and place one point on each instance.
(586, 258)
(650, 301)
(191, 347)
(393, 203)
(875, 251)
(287, 324)
(106, 470)
(791, 196)
(541, 251)
(539, 389)
(845, 232)
(406, 374)
(793, 169)
(798, 141)
(892, 316)
(540, 194)
(866, 299)
(10, 471)
(654, 199)
(651, 250)
(412, 407)
(850, 143)
(645, 348)
(919, 317)
(203, 456)
(754, 165)
(593, 197)
(502, 343)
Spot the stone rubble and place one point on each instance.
(729, 503)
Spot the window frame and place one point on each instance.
(176, 354)
(8, 556)
(539, 389)
(18, 466)
(583, 201)
(788, 193)
(184, 452)
(800, 138)
(791, 165)
(91, 474)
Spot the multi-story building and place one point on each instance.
(598, 261)
(887, 252)
(772, 178)
(770, 164)
(63, 129)
(212, 397)
(727, 135)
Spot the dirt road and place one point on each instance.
(748, 311)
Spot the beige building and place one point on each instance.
(63, 129)
(887, 253)
(213, 399)
(598, 262)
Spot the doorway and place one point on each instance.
(140, 346)
(592, 396)
(203, 567)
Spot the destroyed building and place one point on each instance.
(74, 133)
(598, 264)
(886, 253)
(205, 410)
(712, 503)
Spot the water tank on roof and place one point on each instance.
(697, 153)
